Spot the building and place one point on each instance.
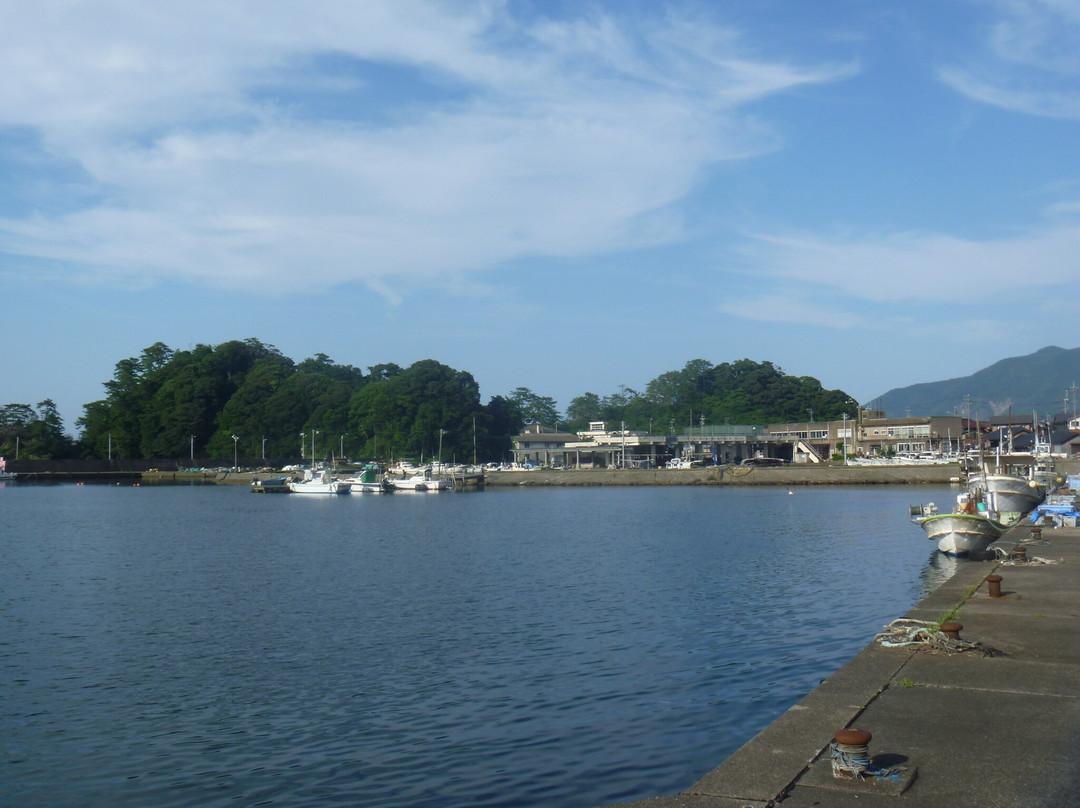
(868, 434)
(541, 446)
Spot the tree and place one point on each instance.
(533, 408)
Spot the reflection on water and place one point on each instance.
(193, 646)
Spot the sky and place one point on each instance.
(566, 196)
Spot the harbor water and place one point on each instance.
(203, 646)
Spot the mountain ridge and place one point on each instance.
(1045, 381)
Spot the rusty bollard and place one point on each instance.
(995, 585)
(850, 753)
(1020, 553)
(951, 629)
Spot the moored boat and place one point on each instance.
(421, 481)
(961, 532)
(368, 481)
(270, 485)
(320, 482)
(1011, 493)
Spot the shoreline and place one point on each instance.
(790, 475)
(941, 721)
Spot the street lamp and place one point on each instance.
(192, 450)
(235, 440)
(303, 436)
(844, 416)
(341, 448)
(314, 432)
(264, 447)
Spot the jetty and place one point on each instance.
(986, 714)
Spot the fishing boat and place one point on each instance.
(368, 481)
(964, 530)
(270, 485)
(421, 481)
(1012, 493)
(319, 482)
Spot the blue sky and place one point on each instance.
(566, 196)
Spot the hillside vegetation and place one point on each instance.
(1044, 382)
(190, 404)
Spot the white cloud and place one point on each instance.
(930, 268)
(794, 308)
(1030, 61)
(566, 144)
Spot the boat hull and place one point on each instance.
(1011, 493)
(958, 534)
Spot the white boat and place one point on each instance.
(964, 530)
(682, 463)
(421, 481)
(368, 482)
(1012, 493)
(319, 482)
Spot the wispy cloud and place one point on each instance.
(196, 131)
(928, 267)
(1029, 61)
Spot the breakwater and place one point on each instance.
(791, 475)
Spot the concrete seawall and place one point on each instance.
(823, 474)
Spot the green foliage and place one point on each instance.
(175, 404)
(167, 403)
(742, 392)
(33, 434)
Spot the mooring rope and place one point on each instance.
(1007, 559)
(850, 760)
(906, 632)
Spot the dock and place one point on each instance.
(993, 725)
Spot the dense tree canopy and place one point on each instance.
(190, 404)
(33, 433)
(742, 392)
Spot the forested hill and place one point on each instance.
(1044, 382)
(245, 395)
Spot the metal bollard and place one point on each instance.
(851, 753)
(994, 582)
(951, 629)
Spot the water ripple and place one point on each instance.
(203, 647)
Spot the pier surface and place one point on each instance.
(963, 729)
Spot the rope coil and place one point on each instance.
(907, 632)
(852, 761)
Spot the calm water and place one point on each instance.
(203, 646)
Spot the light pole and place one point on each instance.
(341, 447)
(314, 432)
(264, 447)
(192, 450)
(844, 416)
(441, 433)
(235, 440)
(303, 450)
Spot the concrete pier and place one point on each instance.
(959, 729)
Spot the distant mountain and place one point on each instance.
(1047, 382)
